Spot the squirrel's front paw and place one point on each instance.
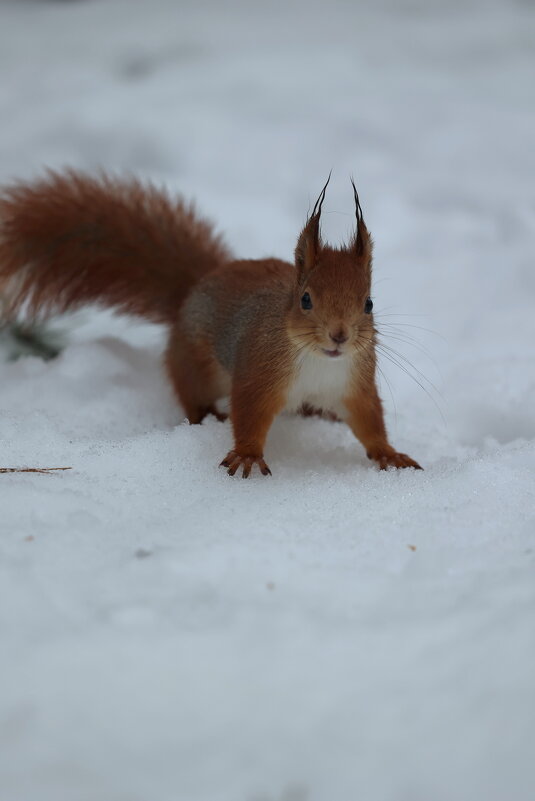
(392, 458)
(233, 461)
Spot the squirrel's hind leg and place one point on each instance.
(307, 410)
(197, 379)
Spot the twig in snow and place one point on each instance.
(31, 469)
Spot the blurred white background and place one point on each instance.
(281, 641)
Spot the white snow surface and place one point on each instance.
(332, 633)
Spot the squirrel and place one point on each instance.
(270, 334)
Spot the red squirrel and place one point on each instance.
(270, 334)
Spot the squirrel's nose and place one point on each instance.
(340, 337)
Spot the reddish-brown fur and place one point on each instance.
(71, 239)
(236, 327)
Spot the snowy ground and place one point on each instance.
(333, 633)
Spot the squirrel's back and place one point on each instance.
(246, 301)
(71, 239)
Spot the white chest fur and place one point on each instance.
(321, 382)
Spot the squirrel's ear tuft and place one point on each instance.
(309, 242)
(361, 242)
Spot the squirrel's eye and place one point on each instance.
(306, 302)
(368, 306)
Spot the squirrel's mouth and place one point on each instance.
(332, 353)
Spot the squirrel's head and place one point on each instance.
(331, 310)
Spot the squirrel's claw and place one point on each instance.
(393, 459)
(233, 460)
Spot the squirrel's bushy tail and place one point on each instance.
(70, 239)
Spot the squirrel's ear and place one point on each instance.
(308, 245)
(309, 242)
(361, 243)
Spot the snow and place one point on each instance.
(332, 632)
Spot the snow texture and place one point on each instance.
(332, 633)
